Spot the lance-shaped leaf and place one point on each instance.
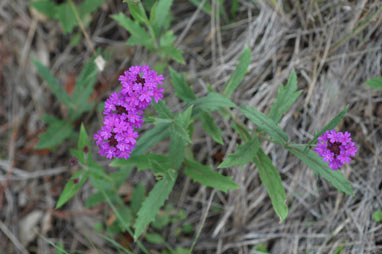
(206, 176)
(182, 89)
(330, 126)
(72, 187)
(266, 124)
(243, 155)
(286, 96)
(210, 127)
(311, 159)
(239, 73)
(211, 102)
(271, 179)
(155, 200)
(375, 83)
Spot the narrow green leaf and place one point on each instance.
(162, 16)
(54, 86)
(154, 238)
(271, 179)
(182, 89)
(155, 200)
(211, 102)
(83, 141)
(72, 187)
(210, 127)
(311, 159)
(265, 123)
(243, 155)
(144, 162)
(139, 35)
(151, 138)
(239, 73)
(206, 176)
(66, 17)
(55, 134)
(177, 151)
(330, 126)
(286, 96)
(180, 131)
(138, 197)
(375, 83)
(138, 14)
(46, 7)
(162, 110)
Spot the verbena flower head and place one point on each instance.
(336, 148)
(124, 109)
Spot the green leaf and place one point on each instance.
(83, 141)
(139, 35)
(181, 124)
(243, 155)
(206, 176)
(151, 138)
(157, 162)
(330, 126)
(377, 216)
(46, 7)
(239, 73)
(265, 123)
(210, 127)
(211, 102)
(72, 187)
(66, 17)
(138, 197)
(154, 238)
(56, 133)
(177, 151)
(172, 52)
(54, 86)
(311, 159)
(162, 110)
(286, 96)
(155, 200)
(138, 13)
(89, 6)
(162, 16)
(271, 179)
(182, 89)
(375, 83)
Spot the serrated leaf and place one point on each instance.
(286, 96)
(155, 162)
(54, 86)
(239, 73)
(177, 151)
(151, 138)
(172, 52)
(206, 176)
(331, 125)
(46, 7)
(138, 197)
(211, 102)
(210, 127)
(155, 200)
(311, 159)
(138, 13)
(66, 17)
(161, 17)
(271, 179)
(139, 35)
(375, 83)
(182, 89)
(377, 216)
(56, 133)
(265, 123)
(72, 187)
(162, 110)
(244, 154)
(180, 131)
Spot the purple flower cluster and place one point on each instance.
(124, 109)
(336, 148)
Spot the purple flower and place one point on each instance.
(336, 148)
(124, 109)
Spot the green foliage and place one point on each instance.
(161, 18)
(182, 89)
(211, 128)
(212, 102)
(266, 124)
(244, 154)
(375, 83)
(339, 249)
(150, 207)
(331, 125)
(72, 187)
(377, 216)
(137, 198)
(65, 12)
(154, 238)
(271, 179)
(286, 96)
(56, 133)
(311, 159)
(238, 75)
(206, 176)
